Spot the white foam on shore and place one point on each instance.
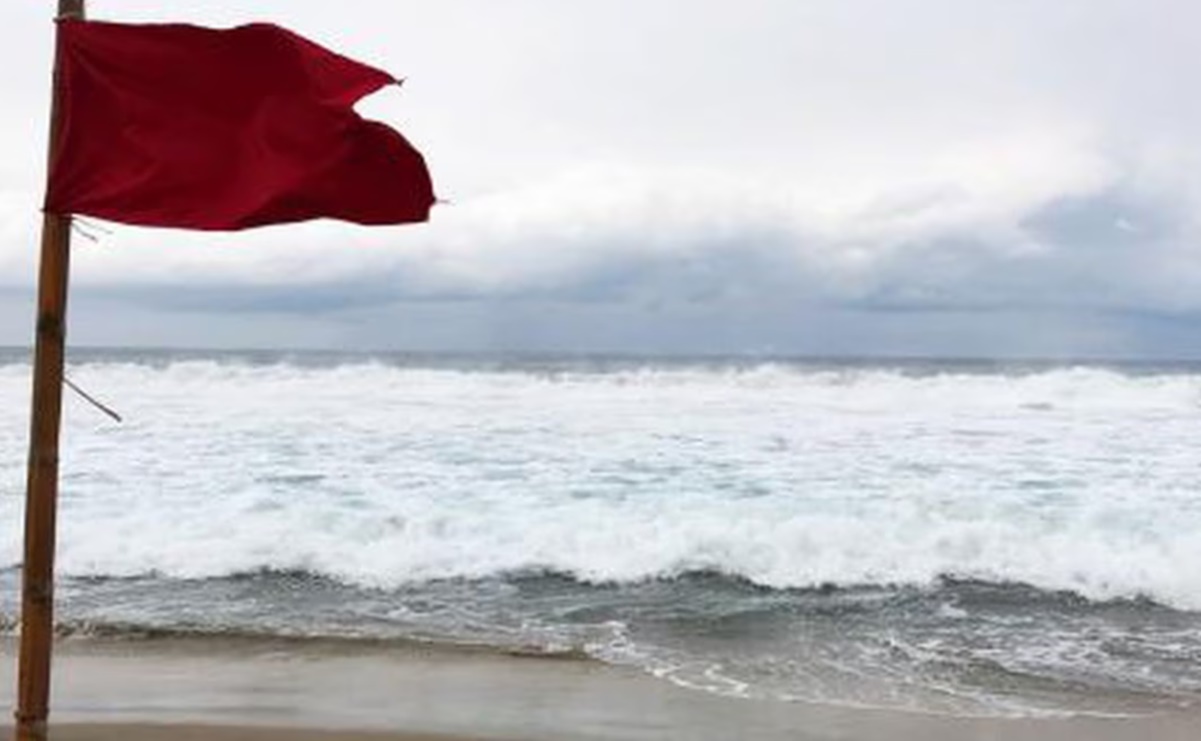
(1080, 479)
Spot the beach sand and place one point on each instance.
(268, 690)
(178, 732)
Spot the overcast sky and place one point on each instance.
(917, 177)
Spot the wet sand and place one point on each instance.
(215, 690)
(177, 732)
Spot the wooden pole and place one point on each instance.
(41, 492)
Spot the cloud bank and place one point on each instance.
(914, 178)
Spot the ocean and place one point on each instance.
(973, 538)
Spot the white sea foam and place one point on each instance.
(1076, 478)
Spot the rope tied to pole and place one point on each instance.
(92, 400)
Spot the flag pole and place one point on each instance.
(41, 492)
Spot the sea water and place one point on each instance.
(978, 538)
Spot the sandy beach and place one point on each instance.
(180, 732)
(227, 690)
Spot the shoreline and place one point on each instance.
(217, 690)
(197, 732)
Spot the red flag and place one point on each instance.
(180, 126)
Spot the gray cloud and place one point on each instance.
(904, 177)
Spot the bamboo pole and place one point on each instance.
(41, 493)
